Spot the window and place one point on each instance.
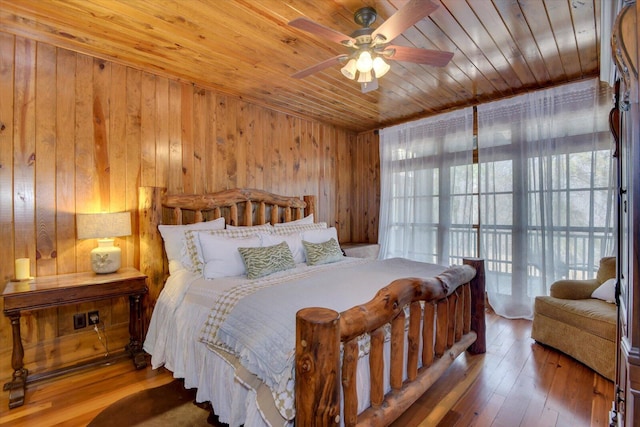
(537, 204)
(546, 191)
(429, 189)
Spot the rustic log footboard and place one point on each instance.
(445, 318)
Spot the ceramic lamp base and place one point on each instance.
(106, 258)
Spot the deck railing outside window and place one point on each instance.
(535, 200)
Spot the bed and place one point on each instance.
(329, 340)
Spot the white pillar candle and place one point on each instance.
(22, 269)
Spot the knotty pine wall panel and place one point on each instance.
(366, 191)
(64, 166)
(81, 134)
(7, 58)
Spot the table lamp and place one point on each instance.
(106, 258)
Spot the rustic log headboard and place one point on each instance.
(239, 207)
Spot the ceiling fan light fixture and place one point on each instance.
(364, 64)
(365, 77)
(380, 66)
(349, 70)
(369, 48)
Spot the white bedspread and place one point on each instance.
(256, 321)
(184, 305)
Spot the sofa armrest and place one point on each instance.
(573, 289)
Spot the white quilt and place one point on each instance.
(256, 321)
(185, 305)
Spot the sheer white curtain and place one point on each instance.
(427, 189)
(546, 191)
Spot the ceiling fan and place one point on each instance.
(370, 47)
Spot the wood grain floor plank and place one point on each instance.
(517, 400)
(474, 366)
(549, 418)
(601, 402)
(488, 414)
(474, 401)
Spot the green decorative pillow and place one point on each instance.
(323, 253)
(267, 260)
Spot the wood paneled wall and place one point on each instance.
(365, 158)
(81, 134)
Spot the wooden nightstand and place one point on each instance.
(361, 250)
(65, 289)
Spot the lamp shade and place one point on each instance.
(98, 225)
(365, 77)
(349, 70)
(106, 258)
(380, 67)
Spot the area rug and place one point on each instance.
(168, 405)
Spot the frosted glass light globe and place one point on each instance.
(380, 66)
(365, 62)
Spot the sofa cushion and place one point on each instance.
(607, 269)
(573, 289)
(591, 315)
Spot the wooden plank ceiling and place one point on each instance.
(246, 48)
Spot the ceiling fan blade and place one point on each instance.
(437, 58)
(370, 86)
(318, 67)
(310, 26)
(405, 17)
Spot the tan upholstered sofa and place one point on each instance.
(571, 321)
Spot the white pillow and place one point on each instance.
(173, 236)
(288, 228)
(306, 220)
(293, 240)
(175, 265)
(267, 228)
(606, 291)
(192, 254)
(320, 236)
(221, 256)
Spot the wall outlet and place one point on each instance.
(79, 320)
(94, 317)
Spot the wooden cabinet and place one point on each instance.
(627, 120)
(361, 250)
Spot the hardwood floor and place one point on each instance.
(516, 383)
